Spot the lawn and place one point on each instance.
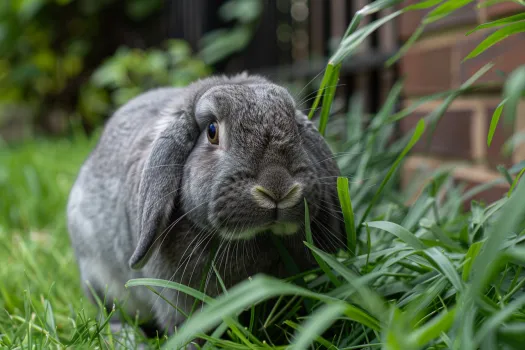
(423, 274)
(38, 265)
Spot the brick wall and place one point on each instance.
(434, 64)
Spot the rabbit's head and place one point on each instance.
(251, 161)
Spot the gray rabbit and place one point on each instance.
(227, 160)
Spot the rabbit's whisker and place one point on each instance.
(187, 261)
(170, 226)
(311, 81)
(308, 98)
(330, 234)
(182, 259)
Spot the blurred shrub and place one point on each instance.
(49, 48)
(132, 71)
(221, 43)
(59, 59)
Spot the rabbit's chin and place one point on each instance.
(277, 228)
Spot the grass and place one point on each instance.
(425, 275)
(418, 274)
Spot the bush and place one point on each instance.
(423, 274)
(50, 48)
(130, 72)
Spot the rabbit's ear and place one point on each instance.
(161, 180)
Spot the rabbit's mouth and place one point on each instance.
(280, 228)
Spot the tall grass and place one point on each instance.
(424, 275)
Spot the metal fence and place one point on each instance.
(293, 42)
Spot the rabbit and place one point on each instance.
(227, 159)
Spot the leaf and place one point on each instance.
(400, 232)
(499, 22)
(309, 239)
(348, 213)
(50, 318)
(406, 46)
(373, 302)
(433, 329)
(326, 77)
(444, 265)
(316, 324)
(328, 97)
(494, 121)
(422, 5)
(516, 180)
(352, 42)
(154, 282)
(512, 91)
(496, 320)
(377, 6)
(486, 262)
(496, 37)
(242, 296)
(244, 11)
(444, 10)
(469, 259)
(420, 128)
(505, 173)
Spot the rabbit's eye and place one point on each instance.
(213, 133)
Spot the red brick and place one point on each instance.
(427, 71)
(409, 21)
(451, 138)
(506, 56)
(503, 9)
(501, 135)
(487, 197)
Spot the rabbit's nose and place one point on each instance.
(269, 200)
(276, 189)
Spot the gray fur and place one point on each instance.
(154, 191)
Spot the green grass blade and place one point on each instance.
(352, 42)
(328, 97)
(324, 83)
(445, 9)
(496, 320)
(406, 46)
(515, 182)
(512, 93)
(422, 5)
(444, 264)
(316, 324)
(154, 282)
(494, 122)
(433, 329)
(487, 262)
(309, 239)
(499, 22)
(420, 128)
(377, 6)
(50, 318)
(469, 259)
(496, 37)
(400, 232)
(319, 339)
(240, 297)
(348, 213)
(372, 301)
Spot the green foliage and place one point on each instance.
(49, 48)
(422, 273)
(130, 72)
(221, 43)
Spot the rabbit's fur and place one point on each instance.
(154, 192)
